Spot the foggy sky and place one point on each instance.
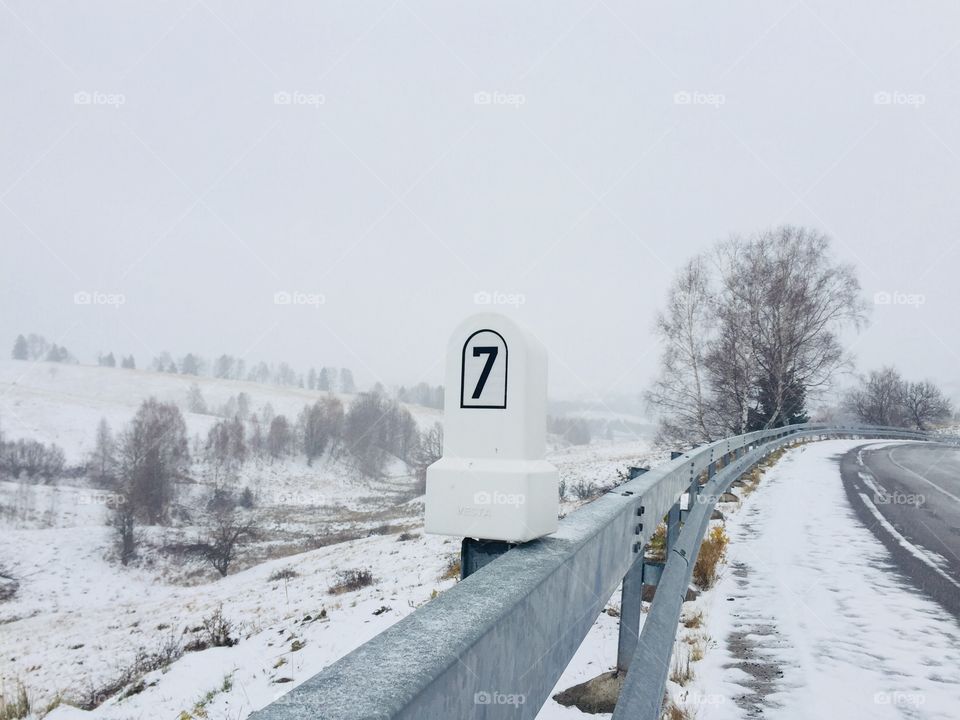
(227, 151)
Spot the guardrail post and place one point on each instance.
(474, 554)
(694, 489)
(631, 599)
(673, 525)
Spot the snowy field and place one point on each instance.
(80, 622)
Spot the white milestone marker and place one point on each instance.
(492, 482)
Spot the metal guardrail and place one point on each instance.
(495, 645)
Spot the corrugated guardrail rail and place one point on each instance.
(495, 645)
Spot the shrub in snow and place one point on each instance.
(712, 552)
(350, 580)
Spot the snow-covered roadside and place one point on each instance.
(811, 619)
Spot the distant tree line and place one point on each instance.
(883, 397)
(109, 360)
(422, 394)
(228, 367)
(36, 347)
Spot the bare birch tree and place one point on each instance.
(750, 332)
(685, 328)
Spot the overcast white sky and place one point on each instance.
(184, 182)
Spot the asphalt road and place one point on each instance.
(909, 496)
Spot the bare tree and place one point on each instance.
(257, 442)
(376, 427)
(102, 465)
(153, 451)
(361, 432)
(226, 445)
(195, 401)
(243, 405)
(798, 300)
(924, 403)
(225, 536)
(429, 451)
(730, 359)
(123, 520)
(880, 398)
(684, 328)
(279, 437)
(319, 425)
(751, 333)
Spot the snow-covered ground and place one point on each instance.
(811, 618)
(79, 620)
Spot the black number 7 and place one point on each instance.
(491, 353)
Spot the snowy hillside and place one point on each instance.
(146, 640)
(62, 403)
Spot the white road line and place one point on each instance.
(925, 555)
(921, 477)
